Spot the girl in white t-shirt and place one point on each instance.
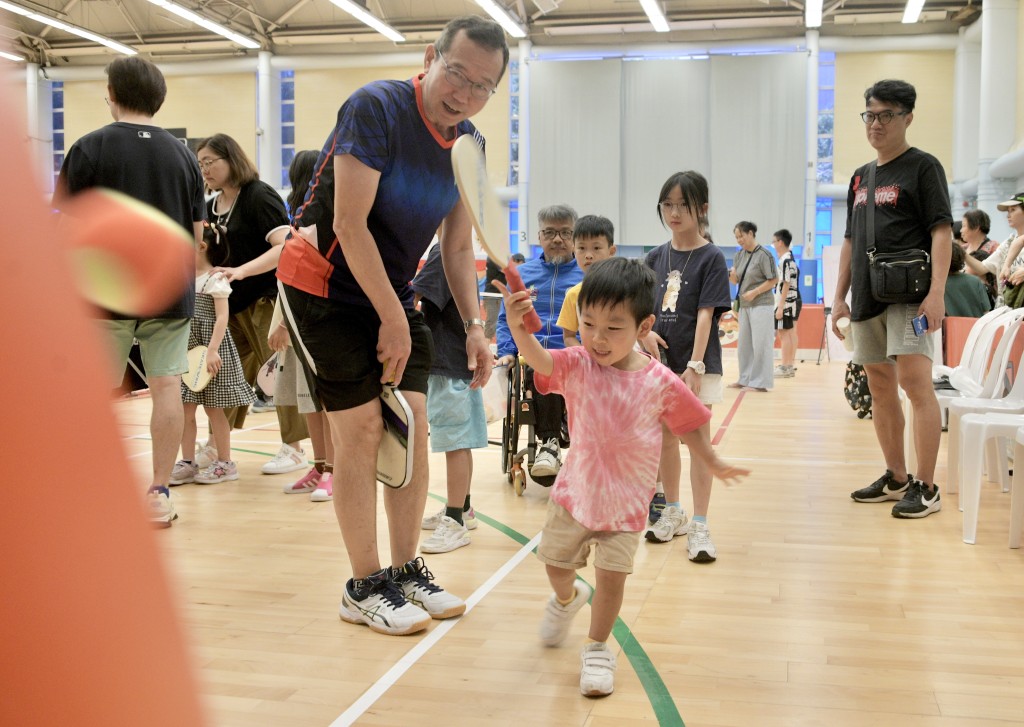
(228, 387)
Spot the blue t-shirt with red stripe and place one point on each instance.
(383, 126)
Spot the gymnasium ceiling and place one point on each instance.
(303, 27)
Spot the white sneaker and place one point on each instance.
(558, 618)
(287, 459)
(548, 460)
(432, 521)
(671, 523)
(597, 672)
(380, 604)
(699, 545)
(206, 454)
(449, 535)
(161, 509)
(416, 583)
(783, 372)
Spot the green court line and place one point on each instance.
(658, 694)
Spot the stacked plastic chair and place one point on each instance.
(976, 426)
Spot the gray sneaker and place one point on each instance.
(183, 473)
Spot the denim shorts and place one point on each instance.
(456, 415)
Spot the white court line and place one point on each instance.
(377, 690)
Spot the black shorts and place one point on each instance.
(337, 344)
(789, 318)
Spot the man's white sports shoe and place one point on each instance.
(548, 460)
(558, 618)
(287, 459)
(416, 583)
(378, 602)
(448, 536)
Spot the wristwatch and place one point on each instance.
(697, 366)
(472, 322)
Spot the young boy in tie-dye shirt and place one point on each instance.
(617, 400)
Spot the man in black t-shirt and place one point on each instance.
(146, 162)
(911, 212)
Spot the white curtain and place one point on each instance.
(574, 130)
(606, 134)
(758, 136)
(665, 130)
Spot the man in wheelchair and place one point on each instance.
(547, 278)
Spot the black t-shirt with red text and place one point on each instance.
(911, 199)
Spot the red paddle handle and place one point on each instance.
(531, 321)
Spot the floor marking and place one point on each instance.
(728, 418)
(377, 690)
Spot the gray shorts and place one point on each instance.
(890, 334)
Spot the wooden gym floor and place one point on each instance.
(819, 610)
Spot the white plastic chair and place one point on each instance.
(991, 400)
(1017, 496)
(970, 374)
(976, 430)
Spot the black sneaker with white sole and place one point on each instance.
(918, 502)
(884, 488)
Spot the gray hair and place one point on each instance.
(557, 212)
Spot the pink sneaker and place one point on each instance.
(324, 491)
(308, 483)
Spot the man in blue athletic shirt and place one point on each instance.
(382, 187)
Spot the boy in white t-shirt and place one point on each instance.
(617, 399)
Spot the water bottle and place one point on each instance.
(846, 330)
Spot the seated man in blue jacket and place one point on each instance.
(548, 277)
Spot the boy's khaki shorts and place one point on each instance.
(566, 544)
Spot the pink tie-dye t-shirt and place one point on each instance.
(615, 420)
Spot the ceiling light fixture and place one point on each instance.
(199, 20)
(67, 28)
(655, 15)
(503, 18)
(363, 15)
(11, 57)
(812, 13)
(913, 11)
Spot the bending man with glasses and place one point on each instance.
(382, 186)
(911, 212)
(547, 277)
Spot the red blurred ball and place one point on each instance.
(128, 257)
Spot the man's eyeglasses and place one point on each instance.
(205, 165)
(458, 79)
(668, 208)
(550, 233)
(883, 117)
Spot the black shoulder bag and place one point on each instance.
(896, 277)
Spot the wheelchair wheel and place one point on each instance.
(510, 427)
(519, 482)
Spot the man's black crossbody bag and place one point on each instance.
(896, 277)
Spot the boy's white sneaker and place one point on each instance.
(548, 460)
(432, 521)
(558, 618)
(597, 671)
(448, 536)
